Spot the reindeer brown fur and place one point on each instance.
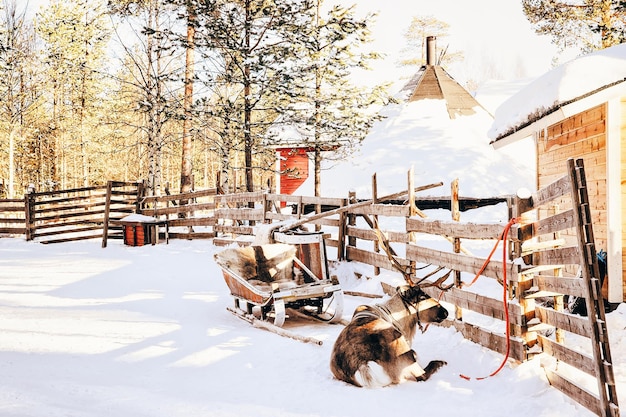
(375, 348)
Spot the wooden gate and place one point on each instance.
(78, 214)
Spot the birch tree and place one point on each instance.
(18, 86)
(75, 35)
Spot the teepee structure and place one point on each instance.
(433, 82)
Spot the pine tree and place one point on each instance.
(332, 113)
(21, 97)
(186, 169)
(584, 24)
(186, 11)
(244, 44)
(152, 67)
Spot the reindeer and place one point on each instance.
(374, 349)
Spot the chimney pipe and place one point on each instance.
(431, 50)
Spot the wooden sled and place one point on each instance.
(268, 279)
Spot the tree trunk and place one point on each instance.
(186, 168)
(248, 145)
(11, 190)
(318, 121)
(153, 94)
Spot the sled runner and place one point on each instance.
(265, 280)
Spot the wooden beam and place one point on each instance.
(458, 261)
(569, 322)
(563, 285)
(561, 352)
(308, 219)
(578, 394)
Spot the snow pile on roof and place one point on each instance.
(562, 85)
(138, 218)
(420, 134)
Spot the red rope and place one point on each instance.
(502, 238)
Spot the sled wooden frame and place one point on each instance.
(538, 279)
(274, 298)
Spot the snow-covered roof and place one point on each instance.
(545, 99)
(290, 135)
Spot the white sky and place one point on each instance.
(494, 35)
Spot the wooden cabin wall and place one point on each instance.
(294, 167)
(580, 136)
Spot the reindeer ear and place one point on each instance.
(401, 291)
(408, 291)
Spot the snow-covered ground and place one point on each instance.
(144, 331)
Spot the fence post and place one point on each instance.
(341, 234)
(413, 211)
(351, 218)
(375, 218)
(107, 211)
(29, 212)
(524, 283)
(456, 244)
(141, 186)
(267, 208)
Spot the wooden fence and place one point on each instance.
(12, 217)
(536, 267)
(61, 216)
(546, 259)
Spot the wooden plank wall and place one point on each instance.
(580, 136)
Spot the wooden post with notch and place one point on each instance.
(375, 218)
(456, 244)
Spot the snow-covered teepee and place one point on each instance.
(433, 82)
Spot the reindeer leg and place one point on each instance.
(430, 369)
(414, 372)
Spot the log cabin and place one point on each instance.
(578, 110)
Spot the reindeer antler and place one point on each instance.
(438, 283)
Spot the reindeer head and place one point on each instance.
(428, 309)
